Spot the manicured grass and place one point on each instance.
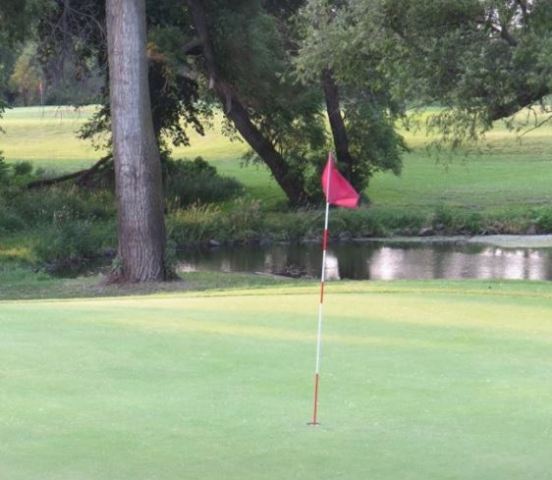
(424, 381)
(506, 174)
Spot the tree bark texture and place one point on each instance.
(141, 228)
(339, 131)
(290, 181)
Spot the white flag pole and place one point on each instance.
(321, 304)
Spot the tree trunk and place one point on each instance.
(339, 132)
(141, 228)
(291, 182)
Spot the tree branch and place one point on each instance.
(522, 100)
(193, 47)
(289, 180)
(81, 175)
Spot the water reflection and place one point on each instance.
(380, 261)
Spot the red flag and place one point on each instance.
(336, 187)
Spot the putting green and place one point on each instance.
(419, 381)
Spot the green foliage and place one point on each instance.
(349, 223)
(453, 221)
(254, 47)
(27, 76)
(329, 40)
(17, 19)
(241, 222)
(23, 209)
(10, 221)
(195, 225)
(483, 60)
(70, 203)
(195, 181)
(72, 246)
(543, 220)
(294, 226)
(4, 170)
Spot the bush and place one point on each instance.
(22, 169)
(294, 226)
(197, 224)
(44, 206)
(240, 222)
(443, 219)
(543, 220)
(195, 181)
(4, 170)
(71, 247)
(9, 221)
(356, 223)
(243, 222)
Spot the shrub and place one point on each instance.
(4, 170)
(294, 226)
(196, 224)
(443, 218)
(195, 181)
(73, 246)
(473, 224)
(357, 223)
(44, 206)
(543, 220)
(9, 221)
(243, 222)
(22, 169)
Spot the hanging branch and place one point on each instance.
(82, 175)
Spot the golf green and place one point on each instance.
(419, 381)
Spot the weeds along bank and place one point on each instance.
(66, 229)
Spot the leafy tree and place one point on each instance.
(361, 108)
(279, 119)
(481, 60)
(244, 59)
(26, 78)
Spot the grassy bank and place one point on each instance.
(504, 175)
(502, 189)
(166, 387)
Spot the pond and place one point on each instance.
(382, 259)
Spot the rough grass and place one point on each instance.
(419, 380)
(505, 174)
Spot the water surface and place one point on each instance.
(377, 260)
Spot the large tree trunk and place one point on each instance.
(291, 182)
(339, 132)
(141, 228)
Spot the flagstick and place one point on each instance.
(320, 307)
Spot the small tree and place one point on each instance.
(26, 77)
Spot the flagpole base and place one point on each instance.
(313, 424)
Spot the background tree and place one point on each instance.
(481, 60)
(243, 57)
(26, 78)
(360, 104)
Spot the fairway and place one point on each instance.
(442, 380)
(506, 174)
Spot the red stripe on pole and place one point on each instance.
(315, 410)
(325, 239)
